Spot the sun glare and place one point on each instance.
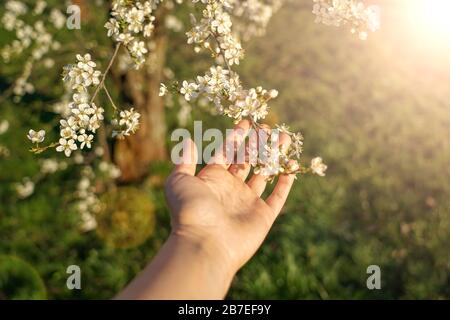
(432, 18)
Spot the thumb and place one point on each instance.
(188, 163)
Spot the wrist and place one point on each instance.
(213, 257)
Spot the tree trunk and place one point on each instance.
(134, 154)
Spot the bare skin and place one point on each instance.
(218, 223)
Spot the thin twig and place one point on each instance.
(102, 81)
(36, 149)
(110, 98)
(221, 52)
(254, 124)
(102, 135)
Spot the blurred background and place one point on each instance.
(377, 111)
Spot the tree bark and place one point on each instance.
(134, 154)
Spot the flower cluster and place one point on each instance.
(250, 104)
(79, 127)
(127, 124)
(109, 170)
(88, 203)
(85, 201)
(278, 159)
(81, 116)
(222, 86)
(252, 16)
(34, 37)
(361, 19)
(213, 32)
(82, 74)
(84, 117)
(36, 137)
(318, 167)
(50, 166)
(130, 24)
(27, 186)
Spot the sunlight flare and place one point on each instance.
(432, 18)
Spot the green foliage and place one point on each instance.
(18, 280)
(127, 218)
(379, 123)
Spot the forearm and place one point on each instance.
(185, 268)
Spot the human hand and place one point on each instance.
(219, 209)
(218, 222)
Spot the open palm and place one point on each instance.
(218, 206)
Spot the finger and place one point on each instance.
(225, 156)
(284, 140)
(240, 171)
(258, 184)
(278, 197)
(248, 151)
(188, 161)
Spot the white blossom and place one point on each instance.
(128, 123)
(109, 169)
(57, 18)
(16, 7)
(25, 189)
(82, 74)
(347, 12)
(113, 27)
(29, 35)
(221, 22)
(318, 167)
(189, 90)
(88, 204)
(162, 90)
(148, 29)
(49, 166)
(4, 126)
(132, 21)
(66, 146)
(125, 38)
(217, 33)
(138, 48)
(171, 22)
(36, 137)
(134, 18)
(88, 221)
(39, 7)
(85, 139)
